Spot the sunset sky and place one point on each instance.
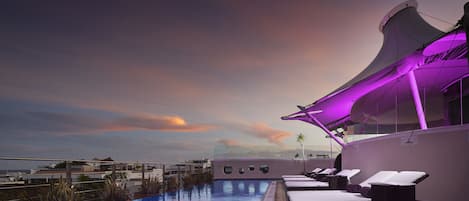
(170, 80)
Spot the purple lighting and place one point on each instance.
(445, 43)
(417, 101)
(318, 123)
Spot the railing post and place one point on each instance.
(68, 173)
(179, 176)
(143, 172)
(113, 174)
(163, 179)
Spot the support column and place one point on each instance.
(417, 101)
(318, 123)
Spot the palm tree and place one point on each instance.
(300, 138)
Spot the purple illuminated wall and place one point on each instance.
(441, 152)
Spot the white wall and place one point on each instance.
(441, 152)
(277, 167)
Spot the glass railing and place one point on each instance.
(357, 137)
(86, 180)
(275, 152)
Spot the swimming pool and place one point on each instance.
(219, 190)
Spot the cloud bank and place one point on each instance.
(58, 123)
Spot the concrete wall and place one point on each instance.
(441, 152)
(277, 167)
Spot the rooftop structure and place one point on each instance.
(411, 83)
(415, 92)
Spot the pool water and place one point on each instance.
(219, 190)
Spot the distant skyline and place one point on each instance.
(169, 81)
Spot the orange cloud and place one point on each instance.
(162, 123)
(273, 135)
(262, 130)
(230, 142)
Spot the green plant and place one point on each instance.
(172, 184)
(92, 189)
(301, 139)
(188, 181)
(114, 192)
(59, 191)
(150, 186)
(202, 178)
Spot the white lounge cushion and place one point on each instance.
(348, 173)
(353, 172)
(379, 177)
(343, 172)
(298, 179)
(325, 195)
(316, 170)
(305, 184)
(406, 177)
(293, 176)
(328, 171)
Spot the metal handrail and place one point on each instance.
(89, 182)
(88, 191)
(68, 171)
(91, 161)
(25, 186)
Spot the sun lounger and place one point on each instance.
(348, 173)
(384, 184)
(294, 176)
(380, 176)
(328, 171)
(340, 180)
(388, 178)
(399, 187)
(326, 195)
(298, 179)
(322, 174)
(306, 185)
(404, 178)
(315, 171)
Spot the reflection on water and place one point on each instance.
(220, 190)
(227, 187)
(252, 190)
(241, 187)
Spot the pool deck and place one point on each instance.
(280, 192)
(270, 192)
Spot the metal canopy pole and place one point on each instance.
(417, 101)
(318, 123)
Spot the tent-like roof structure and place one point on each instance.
(406, 35)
